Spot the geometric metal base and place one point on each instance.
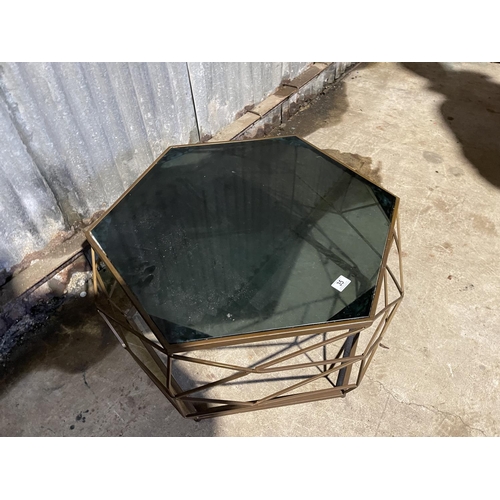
(243, 375)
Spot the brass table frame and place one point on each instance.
(360, 335)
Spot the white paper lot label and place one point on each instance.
(340, 283)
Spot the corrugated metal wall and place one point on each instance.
(74, 136)
(221, 90)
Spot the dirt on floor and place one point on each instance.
(31, 319)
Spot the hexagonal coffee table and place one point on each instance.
(249, 275)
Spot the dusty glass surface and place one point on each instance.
(223, 239)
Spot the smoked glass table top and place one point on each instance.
(233, 238)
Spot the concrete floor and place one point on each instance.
(428, 133)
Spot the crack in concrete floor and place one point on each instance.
(430, 408)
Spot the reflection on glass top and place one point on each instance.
(222, 239)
